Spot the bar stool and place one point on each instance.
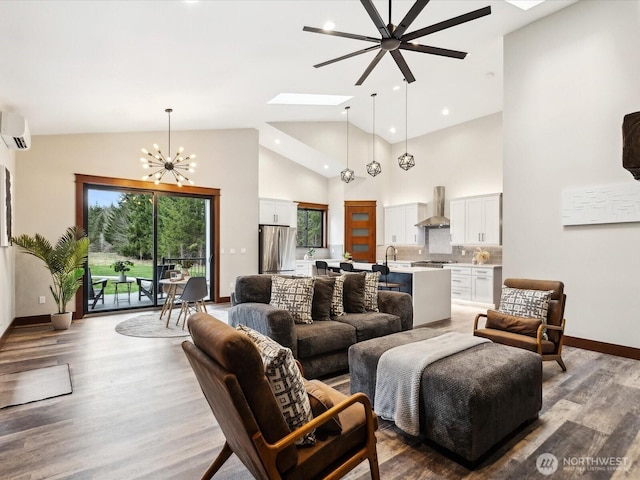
(384, 285)
(346, 266)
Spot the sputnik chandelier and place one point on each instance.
(374, 168)
(164, 164)
(347, 175)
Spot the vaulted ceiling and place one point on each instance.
(114, 66)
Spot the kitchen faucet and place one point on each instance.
(387, 251)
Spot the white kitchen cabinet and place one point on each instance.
(400, 224)
(460, 282)
(457, 218)
(304, 268)
(483, 220)
(476, 220)
(479, 284)
(278, 212)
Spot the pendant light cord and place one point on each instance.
(373, 133)
(169, 110)
(406, 115)
(347, 109)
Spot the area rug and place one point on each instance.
(150, 325)
(33, 385)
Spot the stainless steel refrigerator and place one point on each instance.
(277, 249)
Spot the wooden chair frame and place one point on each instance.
(557, 355)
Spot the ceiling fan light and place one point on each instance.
(406, 161)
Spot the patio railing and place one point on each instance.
(198, 269)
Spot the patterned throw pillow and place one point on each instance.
(371, 291)
(294, 295)
(285, 381)
(337, 306)
(526, 303)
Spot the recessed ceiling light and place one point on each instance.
(396, 87)
(308, 99)
(326, 167)
(445, 111)
(392, 129)
(329, 26)
(524, 4)
(277, 141)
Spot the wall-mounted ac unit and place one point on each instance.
(15, 131)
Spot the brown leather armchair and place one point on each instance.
(548, 349)
(230, 371)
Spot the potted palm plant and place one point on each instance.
(65, 261)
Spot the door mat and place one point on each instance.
(33, 385)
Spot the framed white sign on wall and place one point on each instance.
(6, 207)
(594, 205)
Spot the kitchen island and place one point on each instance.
(430, 289)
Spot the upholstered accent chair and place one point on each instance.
(231, 373)
(546, 339)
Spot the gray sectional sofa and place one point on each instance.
(321, 347)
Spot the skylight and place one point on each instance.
(308, 99)
(524, 4)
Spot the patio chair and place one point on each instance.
(96, 290)
(145, 285)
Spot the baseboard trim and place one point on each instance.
(33, 320)
(602, 347)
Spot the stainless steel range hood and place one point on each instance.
(438, 220)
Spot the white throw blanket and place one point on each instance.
(399, 376)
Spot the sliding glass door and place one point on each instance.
(137, 237)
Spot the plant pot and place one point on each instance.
(184, 272)
(61, 321)
(123, 277)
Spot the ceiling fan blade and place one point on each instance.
(349, 55)
(408, 19)
(443, 52)
(371, 66)
(377, 19)
(341, 34)
(452, 22)
(402, 65)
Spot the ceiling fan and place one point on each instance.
(393, 38)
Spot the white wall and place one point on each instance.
(45, 192)
(466, 159)
(284, 179)
(569, 80)
(7, 258)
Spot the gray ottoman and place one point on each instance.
(469, 401)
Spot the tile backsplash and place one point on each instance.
(421, 252)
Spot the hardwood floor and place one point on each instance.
(136, 412)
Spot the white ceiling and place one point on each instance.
(114, 66)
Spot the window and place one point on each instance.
(311, 225)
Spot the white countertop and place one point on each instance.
(392, 267)
(484, 265)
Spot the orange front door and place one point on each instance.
(360, 230)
